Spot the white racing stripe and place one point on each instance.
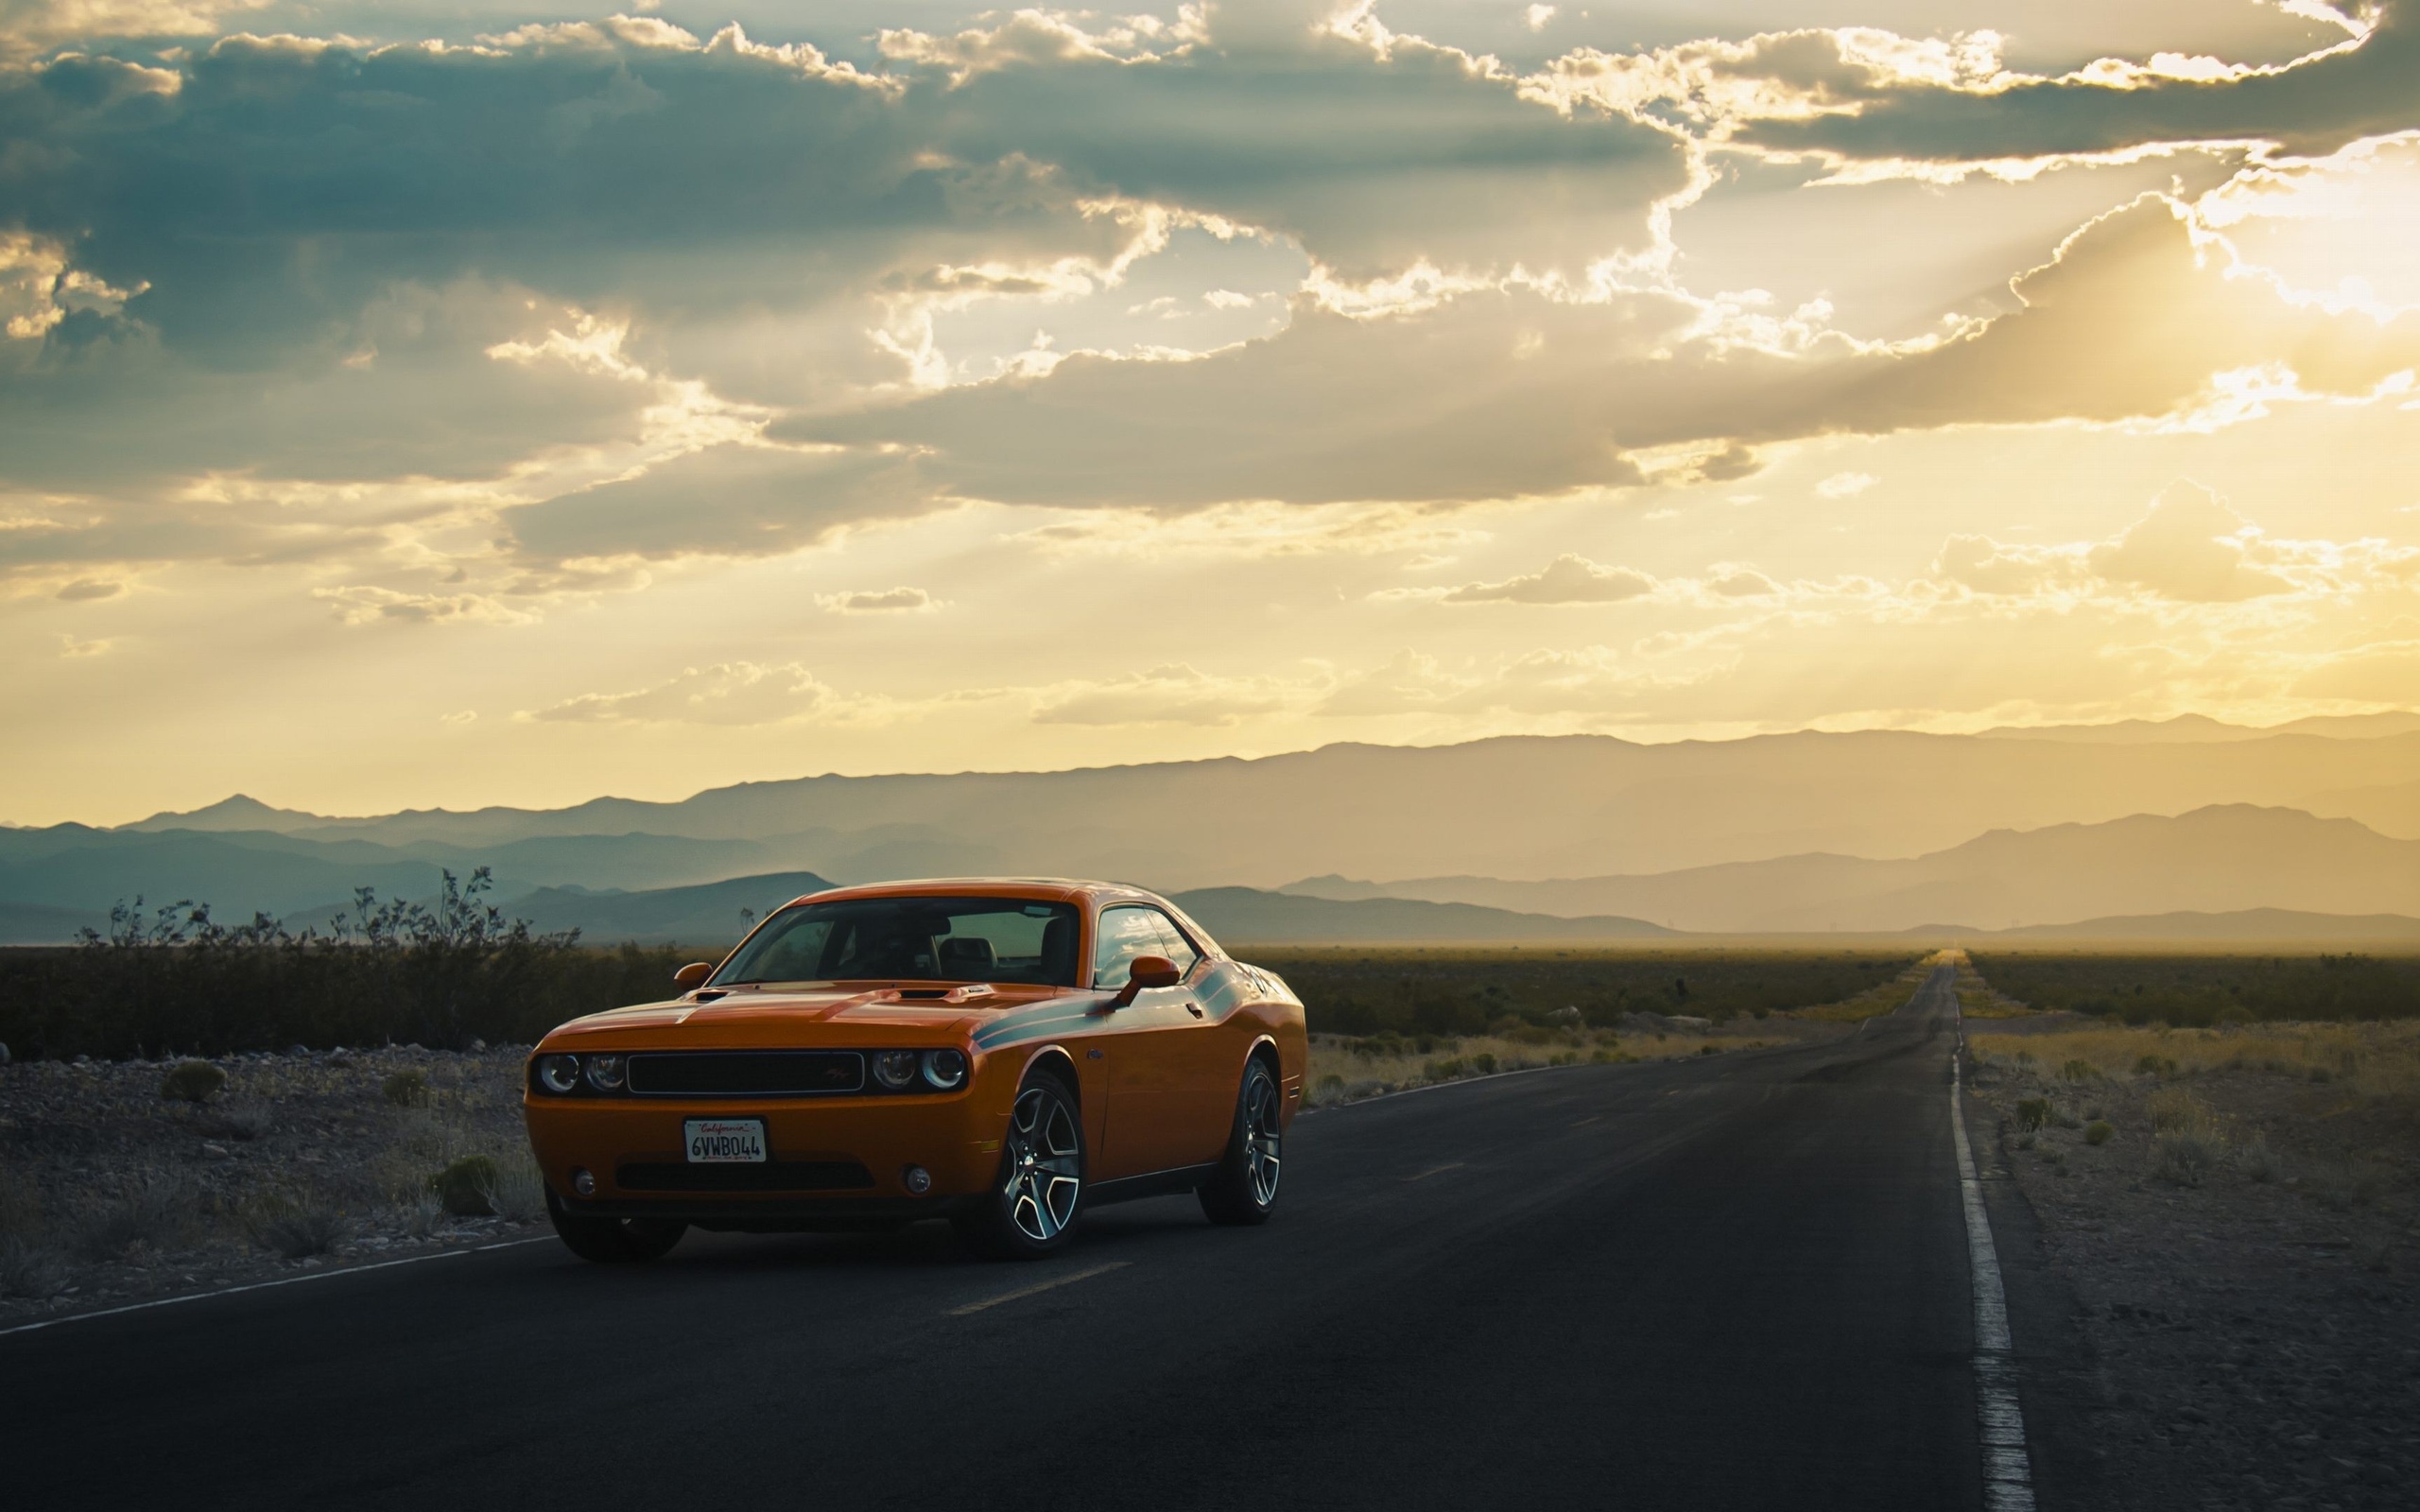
(262, 1286)
(2008, 1472)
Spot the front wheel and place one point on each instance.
(1244, 1190)
(1030, 1211)
(613, 1241)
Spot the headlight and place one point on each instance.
(605, 1072)
(945, 1068)
(558, 1074)
(894, 1069)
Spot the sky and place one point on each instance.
(455, 404)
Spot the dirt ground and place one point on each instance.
(2247, 1271)
(112, 1193)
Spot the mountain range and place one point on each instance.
(1807, 830)
(2220, 859)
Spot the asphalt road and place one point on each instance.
(1735, 1283)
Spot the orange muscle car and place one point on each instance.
(1004, 1054)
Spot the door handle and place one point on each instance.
(1194, 1008)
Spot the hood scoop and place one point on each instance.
(967, 993)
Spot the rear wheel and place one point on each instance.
(613, 1241)
(1244, 1190)
(1030, 1211)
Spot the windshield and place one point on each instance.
(911, 939)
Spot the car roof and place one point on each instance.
(1042, 889)
(1053, 890)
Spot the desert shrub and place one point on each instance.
(2078, 1070)
(2183, 1157)
(192, 1081)
(466, 1187)
(406, 1088)
(1446, 1070)
(154, 1212)
(299, 1227)
(2154, 1066)
(393, 971)
(2098, 1131)
(518, 1193)
(1484, 1063)
(2173, 1109)
(2256, 1160)
(31, 1271)
(1329, 1086)
(2033, 1113)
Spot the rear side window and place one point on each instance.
(1131, 930)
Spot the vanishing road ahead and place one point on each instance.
(1731, 1283)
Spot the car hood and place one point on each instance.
(834, 1016)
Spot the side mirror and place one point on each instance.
(693, 973)
(1147, 970)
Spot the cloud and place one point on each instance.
(85, 590)
(733, 500)
(2130, 319)
(1742, 582)
(70, 647)
(2189, 548)
(1567, 579)
(877, 601)
(369, 604)
(2314, 105)
(731, 692)
(1171, 695)
(1845, 485)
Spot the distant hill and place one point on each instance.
(2198, 728)
(707, 916)
(1249, 916)
(2269, 926)
(1565, 806)
(2220, 859)
(32, 924)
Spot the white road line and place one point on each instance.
(2008, 1472)
(1438, 1170)
(1038, 1288)
(262, 1286)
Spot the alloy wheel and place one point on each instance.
(1045, 1165)
(1263, 1139)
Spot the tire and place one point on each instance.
(1244, 1190)
(1033, 1206)
(613, 1241)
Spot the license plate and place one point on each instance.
(724, 1140)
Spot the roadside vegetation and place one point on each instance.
(2225, 1155)
(128, 1178)
(174, 981)
(1466, 991)
(2202, 990)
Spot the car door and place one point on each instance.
(1154, 1047)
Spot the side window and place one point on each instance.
(1124, 934)
(1173, 943)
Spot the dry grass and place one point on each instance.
(2371, 1061)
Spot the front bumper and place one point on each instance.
(825, 1156)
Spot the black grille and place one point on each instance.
(773, 1175)
(747, 1072)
